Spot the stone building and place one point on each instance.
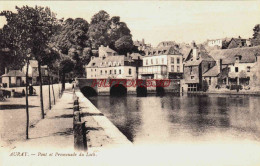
(162, 63)
(240, 66)
(196, 64)
(111, 65)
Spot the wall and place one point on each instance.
(93, 73)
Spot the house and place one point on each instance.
(33, 73)
(167, 44)
(162, 63)
(13, 78)
(196, 64)
(141, 46)
(237, 42)
(110, 65)
(241, 66)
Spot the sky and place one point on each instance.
(156, 21)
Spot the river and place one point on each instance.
(171, 118)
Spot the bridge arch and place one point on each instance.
(118, 90)
(141, 91)
(88, 91)
(160, 91)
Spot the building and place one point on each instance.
(237, 42)
(141, 46)
(215, 42)
(196, 64)
(162, 63)
(110, 65)
(240, 66)
(167, 44)
(33, 73)
(13, 78)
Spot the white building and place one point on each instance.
(162, 63)
(216, 42)
(110, 65)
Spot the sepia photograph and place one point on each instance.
(130, 83)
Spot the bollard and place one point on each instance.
(76, 102)
(77, 117)
(80, 141)
(75, 108)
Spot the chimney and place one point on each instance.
(6, 70)
(143, 41)
(219, 65)
(128, 55)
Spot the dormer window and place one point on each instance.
(93, 64)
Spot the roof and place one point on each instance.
(14, 73)
(34, 63)
(135, 56)
(213, 72)
(204, 56)
(107, 49)
(228, 55)
(167, 43)
(170, 50)
(96, 62)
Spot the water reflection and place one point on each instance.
(174, 117)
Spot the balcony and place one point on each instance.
(160, 69)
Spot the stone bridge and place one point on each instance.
(139, 87)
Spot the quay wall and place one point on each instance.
(110, 129)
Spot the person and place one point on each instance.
(30, 90)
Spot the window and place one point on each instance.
(172, 68)
(157, 61)
(130, 71)
(248, 68)
(146, 61)
(172, 59)
(95, 69)
(192, 77)
(162, 60)
(119, 71)
(115, 71)
(178, 68)
(91, 70)
(190, 69)
(236, 69)
(100, 72)
(209, 80)
(110, 72)
(229, 69)
(151, 61)
(105, 72)
(178, 60)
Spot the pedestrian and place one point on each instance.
(30, 90)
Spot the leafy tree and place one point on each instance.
(256, 35)
(256, 31)
(98, 29)
(124, 45)
(66, 65)
(72, 39)
(32, 29)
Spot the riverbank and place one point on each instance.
(255, 93)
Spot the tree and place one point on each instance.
(16, 39)
(37, 25)
(72, 39)
(256, 35)
(66, 66)
(124, 45)
(98, 29)
(256, 31)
